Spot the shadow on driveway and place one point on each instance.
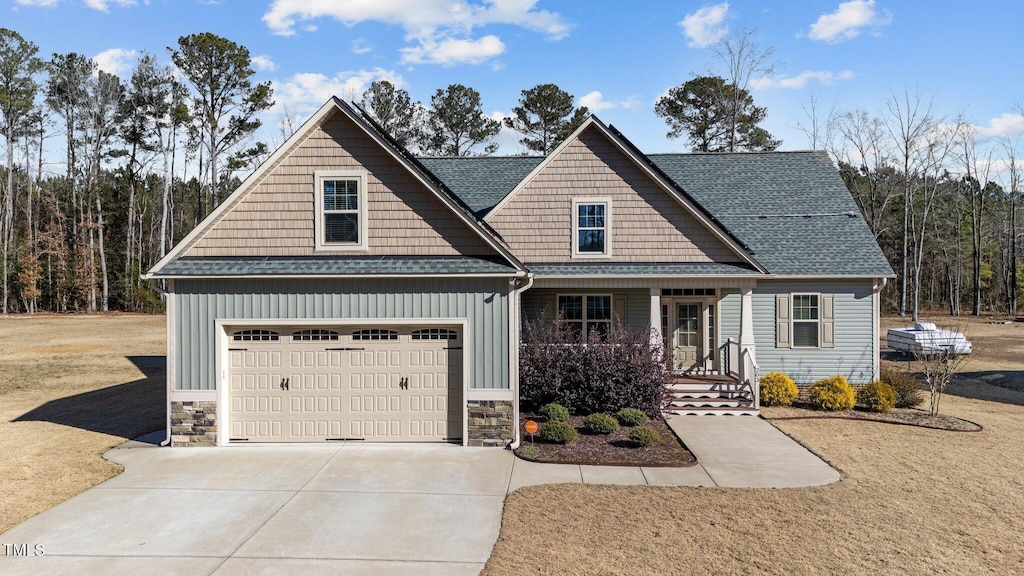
(128, 410)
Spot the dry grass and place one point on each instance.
(911, 501)
(72, 387)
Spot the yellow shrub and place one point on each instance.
(777, 389)
(832, 393)
(877, 397)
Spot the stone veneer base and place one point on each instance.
(194, 423)
(489, 423)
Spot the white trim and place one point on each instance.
(717, 229)
(304, 131)
(793, 320)
(221, 339)
(171, 359)
(319, 242)
(652, 278)
(575, 241)
(826, 277)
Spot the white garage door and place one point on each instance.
(380, 384)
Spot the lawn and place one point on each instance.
(911, 501)
(71, 388)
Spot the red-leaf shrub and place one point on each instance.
(608, 373)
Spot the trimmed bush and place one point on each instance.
(631, 417)
(644, 436)
(558, 432)
(604, 374)
(554, 412)
(600, 423)
(877, 397)
(832, 393)
(777, 389)
(906, 387)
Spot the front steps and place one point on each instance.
(709, 396)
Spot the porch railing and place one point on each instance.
(741, 364)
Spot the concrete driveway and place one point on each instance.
(339, 509)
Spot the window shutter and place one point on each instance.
(619, 309)
(782, 321)
(550, 308)
(828, 332)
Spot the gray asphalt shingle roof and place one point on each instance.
(328, 265)
(790, 208)
(643, 269)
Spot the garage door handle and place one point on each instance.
(345, 349)
(285, 383)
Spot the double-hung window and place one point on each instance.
(591, 227)
(806, 321)
(586, 314)
(341, 210)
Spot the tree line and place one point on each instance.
(147, 158)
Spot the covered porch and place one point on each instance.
(703, 327)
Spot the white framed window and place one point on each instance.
(586, 313)
(806, 320)
(340, 210)
(591, 227)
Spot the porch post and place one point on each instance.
(656, 334)
(748, 361)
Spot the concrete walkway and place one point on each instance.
(349, 509)
(731, 451)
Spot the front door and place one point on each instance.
(687, 338)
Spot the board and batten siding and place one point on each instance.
(647, 223)
(636, 304)
(856, 346)
(483, 301)
(275, 218)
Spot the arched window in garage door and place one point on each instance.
(435, 334)
(375, 334)
(255, 336)
(314, 335)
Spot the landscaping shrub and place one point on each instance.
(558, 432)
(604, 374)
(554, 412)
(832, 393)
(906, 387)
(777, 389)
(877, 397)
(600, 423)
(631, 417)
(644, 436)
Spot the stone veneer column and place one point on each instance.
(194, 423)
(489, 423)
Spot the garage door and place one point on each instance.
(378, 384)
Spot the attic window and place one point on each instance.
(591, 227)
(341, 210)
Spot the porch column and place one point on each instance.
(748, 362)
(656, 335)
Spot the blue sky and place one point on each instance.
(615, 56)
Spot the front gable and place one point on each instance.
(276, 214)
(646, 222)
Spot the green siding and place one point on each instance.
(483, 301)
(854, 353)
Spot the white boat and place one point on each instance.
(927, 338)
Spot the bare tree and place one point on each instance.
(1013, 169)
(939, 365)
(744, 60)
(864, 147)
(975, 189)
(910, 120)
(817, 125)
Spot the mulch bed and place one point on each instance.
(902, 416)
(606, 450)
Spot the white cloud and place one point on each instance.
(799, 81)
(101, 5)
(263, 62)
(848, 20)
(1005, 126)
(38, 3)
(115, 60)
(361, 46)
(451, 51)
(440, 30)
(704, 27)
(595, 102)
(307, 91)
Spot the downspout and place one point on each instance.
(514, 335)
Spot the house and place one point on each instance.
(350, 291)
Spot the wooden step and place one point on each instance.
(716, 411)
(710, 394)
(710, 402)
